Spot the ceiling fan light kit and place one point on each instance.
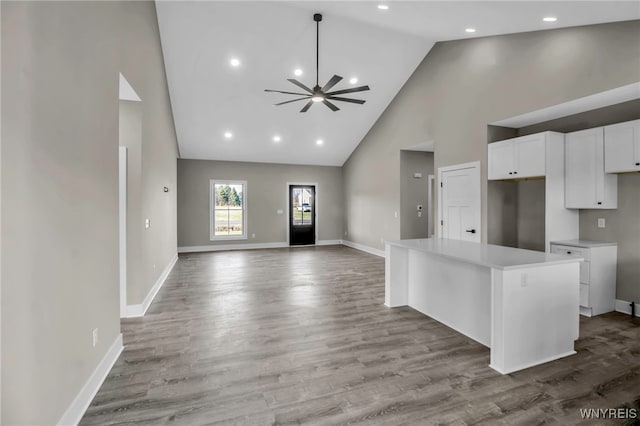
(321, 94)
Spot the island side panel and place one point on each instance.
(455, 293)
(535, 316)
(395, 276)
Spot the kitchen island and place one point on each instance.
(522, 304)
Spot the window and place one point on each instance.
(228, 213)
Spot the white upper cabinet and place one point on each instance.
(622, 147)
(587, 186)
(517, 158)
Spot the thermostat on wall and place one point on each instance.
(417, 175)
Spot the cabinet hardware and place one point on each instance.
(510, 173)
(599, 202)
(515, 173)
(472, 231)
(637, 164)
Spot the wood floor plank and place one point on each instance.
(301, 336)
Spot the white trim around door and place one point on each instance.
(122, 201)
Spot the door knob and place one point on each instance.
(471, 231)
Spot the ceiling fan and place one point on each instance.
(321, 94)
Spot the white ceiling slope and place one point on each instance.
(271, 39)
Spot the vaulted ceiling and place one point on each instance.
(221, 111)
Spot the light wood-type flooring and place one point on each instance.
(301, 336)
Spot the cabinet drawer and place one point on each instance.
(571, 251)
(584, 295)
(585, 272)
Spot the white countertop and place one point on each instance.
(583, 243)
(492, 256)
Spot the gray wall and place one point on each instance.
(459, 88)
(530, 217)
(60, 112)
(266, 193)
(414, 191)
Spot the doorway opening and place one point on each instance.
(302, 215)
(129, 185)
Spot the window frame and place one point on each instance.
(212, 210)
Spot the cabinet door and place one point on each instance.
(530, 158)
(622, 147)
(587, 186)
(581, 168)
(501, 158)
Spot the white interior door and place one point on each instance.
(460, 202)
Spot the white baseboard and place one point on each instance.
(625, 307)
(328, 242)
(76, 410)
(223, 247)
(141, 309)
(364, 248)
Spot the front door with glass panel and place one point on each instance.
(302, 215)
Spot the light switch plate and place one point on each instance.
(601, 222)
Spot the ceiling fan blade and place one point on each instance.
(286, 93)
(300, 85)
(353, 101)
(293, 100)
(330, 105)
(334, 80)
(307, 106)
(352, 90)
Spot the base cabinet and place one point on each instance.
(597, 273)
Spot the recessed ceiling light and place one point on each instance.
(319, 142)
(470, 30)
(228, 135)
(353, 80)
(549, 19)
(276, 138)
(383, 7)
(235, 62)
(297, 72)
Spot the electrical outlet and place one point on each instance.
(601, 222)
(395, 214)
(523, 280)
(381, 240)
(253, 235)
(154, 267)
(147, 223)
(94, 337)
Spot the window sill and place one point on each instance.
(233, 238)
